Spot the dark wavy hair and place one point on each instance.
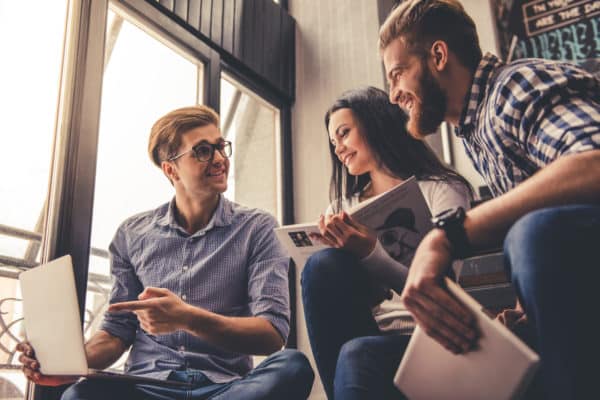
(384, 127)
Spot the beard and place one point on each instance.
(430, 109)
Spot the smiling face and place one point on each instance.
(414, 89)
(198, 179)
(349, 144)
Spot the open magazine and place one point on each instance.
(400, 217)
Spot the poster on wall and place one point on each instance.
(567, 30)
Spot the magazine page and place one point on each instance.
(400, 217)
(297, 241)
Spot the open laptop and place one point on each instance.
(501, 367)
(53, 327)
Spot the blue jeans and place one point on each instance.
(354, 358)
(284, 375)
(553, 255)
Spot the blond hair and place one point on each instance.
(165, 135)
(422, 22)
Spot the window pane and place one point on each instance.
(252, 125)
(143, 80)
(29, 78)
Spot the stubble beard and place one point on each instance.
(430, 109)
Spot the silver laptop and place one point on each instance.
(53, 327)
(501, 367)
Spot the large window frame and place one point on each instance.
(71, 193)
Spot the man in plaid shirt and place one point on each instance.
(532, 129)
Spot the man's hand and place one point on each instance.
(159, 311)
(31, 368)
(439, 314)
(513, 319)
(342, 232)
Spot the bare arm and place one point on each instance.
(248, 335)
(103, 349)
(569, 180)
(160, 311)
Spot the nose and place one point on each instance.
(339, 148)
(394, 95)
(217, 158)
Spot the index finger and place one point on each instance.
(133, 305)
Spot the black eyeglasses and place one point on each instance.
(205, 151)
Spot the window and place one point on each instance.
(143, 80)
(144, 77)
(29, 78)
(252, 125)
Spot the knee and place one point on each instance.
(297, 369)
(353, 352)
(76, 391)
(325, 267)
(531, 237)
(69, 394)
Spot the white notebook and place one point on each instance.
(501, 367)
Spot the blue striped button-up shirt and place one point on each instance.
(522, 116)
(235, 266)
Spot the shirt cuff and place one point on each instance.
(123, 327)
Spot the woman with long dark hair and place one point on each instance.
(357, 326)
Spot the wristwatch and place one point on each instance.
(451, 221)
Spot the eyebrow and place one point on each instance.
(394, 69)
(205, 141)
(337, 131)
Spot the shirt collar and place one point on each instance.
(481, 80)
(222, 216)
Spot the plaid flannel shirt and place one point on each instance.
(522, 116)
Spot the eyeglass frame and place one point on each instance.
(214, 147)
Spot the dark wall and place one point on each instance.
(556, 30)
(257, 35)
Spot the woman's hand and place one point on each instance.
(342, 232)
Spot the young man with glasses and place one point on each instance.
(200, 284)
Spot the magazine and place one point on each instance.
(400, 218)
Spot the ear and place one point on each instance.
(439, 55)
(170, 171)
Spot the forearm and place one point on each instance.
(381, 266)
(246, 335)
(103, 349)
(568, 180)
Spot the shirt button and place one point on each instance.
(181, 348)
(183, 296)
(185, 267)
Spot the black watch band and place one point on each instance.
(451, 221)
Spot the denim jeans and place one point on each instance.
(553, 255)
(354, 358)
(284, 375)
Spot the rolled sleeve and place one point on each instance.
(126, 286)
(268, 289)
